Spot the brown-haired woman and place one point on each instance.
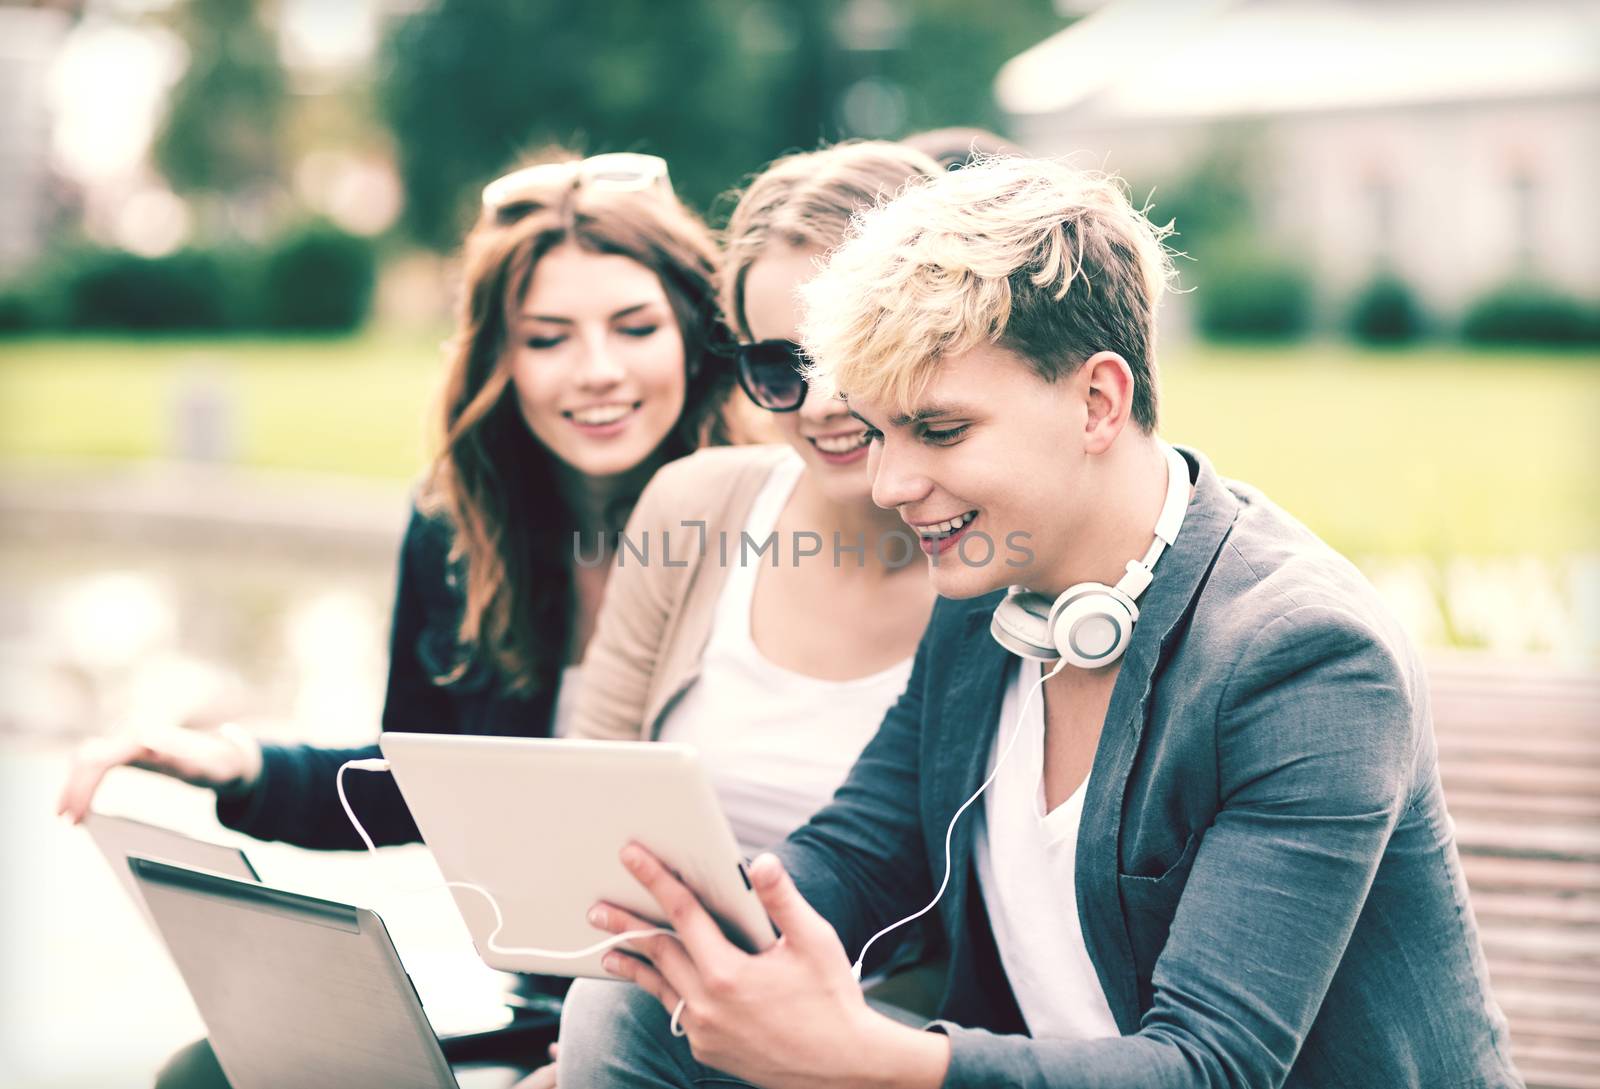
(581, 362)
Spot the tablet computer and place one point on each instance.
(540, 823)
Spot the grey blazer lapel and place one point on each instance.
(1179, 575)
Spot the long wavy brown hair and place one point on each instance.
(491, 478)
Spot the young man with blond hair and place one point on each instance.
(1217, 854)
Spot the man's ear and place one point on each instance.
(1107, 382)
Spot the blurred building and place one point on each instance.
(1456, 144)
(29, 38)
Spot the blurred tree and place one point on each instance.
(223, 129)
(467, 85)
(1212, 201)
(718, 87)
(950, 51)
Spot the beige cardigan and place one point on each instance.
(656, 620)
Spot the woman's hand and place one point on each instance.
(227, 760)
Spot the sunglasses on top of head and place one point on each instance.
(620, 171)
(769, 374)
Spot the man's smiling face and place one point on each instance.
(985, 464)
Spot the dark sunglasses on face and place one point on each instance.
(769, 373)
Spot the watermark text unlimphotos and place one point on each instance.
(893, 549)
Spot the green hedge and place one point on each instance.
(1244, 292)
(1385, 312)
(1529, 312)
(318, 279)
(110, 289)
(312, 278)
(18, 310)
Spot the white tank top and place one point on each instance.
(775, 743)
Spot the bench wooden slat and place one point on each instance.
(1534, 944)
(1554, 877)
(1492, 908)
(1581, 982)
(1538, 1075)
(1577, 782)
(1485, 803)
(1522, 1001)
(1555, 1059)
(1529, 839)
(1536, 748)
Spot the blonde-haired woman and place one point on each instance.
(777, 662)
(777, 665)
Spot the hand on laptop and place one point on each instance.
(224, 759)
(792, 1016)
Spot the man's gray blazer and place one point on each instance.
(1267, 879)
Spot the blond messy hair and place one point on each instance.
(1052, 263)
(808, 199)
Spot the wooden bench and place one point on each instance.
(1519, 753)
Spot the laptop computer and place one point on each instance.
(295, 990)
(120, 838)
(468, 1027)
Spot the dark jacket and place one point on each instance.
(1267, 880)
(295, 800)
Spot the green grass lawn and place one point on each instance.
(349, 405)
(1435, 452)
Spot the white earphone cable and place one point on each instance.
(949, 831)
(499, 919)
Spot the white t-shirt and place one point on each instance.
(1027, 861)
(775, 743)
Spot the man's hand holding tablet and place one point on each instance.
(794, 1006)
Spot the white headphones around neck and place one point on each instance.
(1091, 624)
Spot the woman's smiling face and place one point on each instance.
(831, 441)
(597, 360)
